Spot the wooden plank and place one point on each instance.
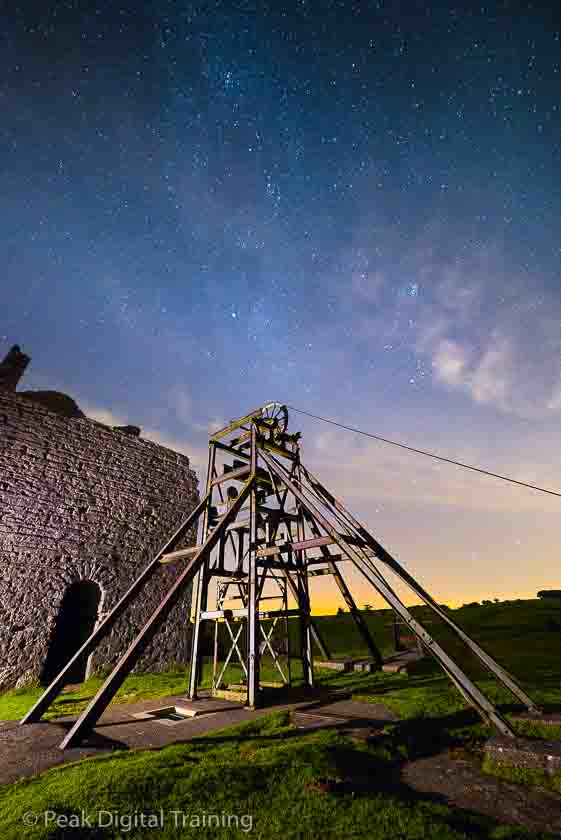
(242, 613)
(177, 555)
(333, 558)
(231, 451)
(233, 475)
(235, 424)
(278, 450)
(283, 515)
(299, 545)
(303, 545)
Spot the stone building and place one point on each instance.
(83, 508)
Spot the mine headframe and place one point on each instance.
(266, 527)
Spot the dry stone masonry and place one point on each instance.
(83, 507)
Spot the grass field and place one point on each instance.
(258, 773)
(264, 770)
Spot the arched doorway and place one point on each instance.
(76, 620)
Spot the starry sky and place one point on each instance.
(348, 207)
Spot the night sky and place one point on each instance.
(352, 208)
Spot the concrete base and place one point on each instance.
(162, 711)
(525, 754)
(402, 662)
(336, 664)
(367, 666)
(394, 668)
(546, 719)
(230, 694)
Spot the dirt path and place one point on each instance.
(459, 782)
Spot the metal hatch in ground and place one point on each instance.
(168, 715)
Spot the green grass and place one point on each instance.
(258, 772)
(531, 778)
(261, 769)
(515, 632)
(15, 703)
(143, 686)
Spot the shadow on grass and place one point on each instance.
(377, 768)
(423, 738)
(363, 775)
(72, 701)
(368, 769)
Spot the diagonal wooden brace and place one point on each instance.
(99, 703)
(54, 689)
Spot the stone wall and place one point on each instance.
(82, 501)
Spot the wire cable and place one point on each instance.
(428, 454)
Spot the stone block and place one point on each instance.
(525, 754)
(367, 666)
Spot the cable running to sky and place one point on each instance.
(428, 454)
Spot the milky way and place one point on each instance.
(351, 207)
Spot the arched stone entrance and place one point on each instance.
(76, 620)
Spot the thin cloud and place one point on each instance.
(103, 415)
(197, 455)
(482, 327)
(208, 427)
(375, 473)
(183, 406)
(450, 362)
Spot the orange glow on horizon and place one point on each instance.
(328, 605)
